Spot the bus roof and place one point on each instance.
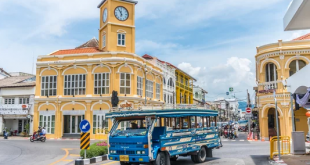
(164, 113)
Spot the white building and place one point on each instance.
(3, 74)
(297, 15)
(169, 79)
(199, 95)
(16, 103)
(229, 106)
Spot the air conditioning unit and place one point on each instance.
(298, 143)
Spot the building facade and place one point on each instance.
(275, 63)
(184, 87)
(199, 95)
(77, 84)
(16, 104)
(168, 79)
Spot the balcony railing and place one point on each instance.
(269, 87)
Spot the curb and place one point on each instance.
(91, 160)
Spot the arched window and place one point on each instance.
(271, 72)
(296, 65)
(170, 83)
(196, 95)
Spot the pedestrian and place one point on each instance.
(43, 131)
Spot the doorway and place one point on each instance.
(71, 124)
(272, 122)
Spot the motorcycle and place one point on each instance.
(225, 133)
(34, 137)
(232, 134)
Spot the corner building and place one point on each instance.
(77, 84)
(275, 63)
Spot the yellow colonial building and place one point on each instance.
(275, 63)
(77, 84)
(184, 87)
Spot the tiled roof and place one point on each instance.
(16, 81)
(304, 37)
(146, 56)
(76, 51)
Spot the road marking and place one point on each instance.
(68, 160)
(75, 155)
(110, 163)
(242, 140)
(63, 158)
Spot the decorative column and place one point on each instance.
(58, 120)
(88, 115)
(36, 115)
(89, 82)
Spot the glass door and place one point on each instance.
(75, 123)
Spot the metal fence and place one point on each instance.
(285, 145)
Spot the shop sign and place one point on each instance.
(127, 106)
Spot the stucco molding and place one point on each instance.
(268, 106)
(101, 65)
(125, 65)
(49, 68)
(283, 52)
(100, 102)
(74, 67)
(297, 57)
(269, 60)
(73, 104)
(277, 96)
(47, 104)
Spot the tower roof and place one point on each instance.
(91, 43)
(304, 37)
(131, 1)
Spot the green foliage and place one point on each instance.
(95, 151)
(27, 128)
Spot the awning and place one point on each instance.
(297, 15)
(15, 116)
(299, 82)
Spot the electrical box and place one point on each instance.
(298, 143)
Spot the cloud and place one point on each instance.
(236, 72)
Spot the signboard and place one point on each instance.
(231, 89)
(85, 141)
(84, 126)
(248, 110)
(248, 115)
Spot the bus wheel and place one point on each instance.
(209, 153)
(123, 163)
(161, 159)
(201, 156)
(193, 157)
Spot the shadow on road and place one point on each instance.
(188, 161)
(260, 159)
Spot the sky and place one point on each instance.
(213, 40)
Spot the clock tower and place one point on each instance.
(117, 25)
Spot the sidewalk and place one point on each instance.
(298, 159)
(27, 138)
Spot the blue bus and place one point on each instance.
(161, 136)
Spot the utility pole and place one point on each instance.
(277, 120)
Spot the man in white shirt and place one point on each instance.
(43, 131)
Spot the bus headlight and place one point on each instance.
(143, 152)
(138, 152)
(113, 152)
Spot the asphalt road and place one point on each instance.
(64, 152)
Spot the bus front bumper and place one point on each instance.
(132, 158)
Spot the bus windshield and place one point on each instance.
(131, 128)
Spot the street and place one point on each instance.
(63, 152)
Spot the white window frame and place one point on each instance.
(101, 80)
(104, 41)
(297, 66)
(121, 41)
(76, 86)
(125, 86)
(100, 126)
(158, 91)
(149, 88)
(268, 74)
(139, 86)
(49, 87)
(24, 100)
(9, 101)
(48, 124)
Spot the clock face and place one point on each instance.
(121, 13)
(105, 15)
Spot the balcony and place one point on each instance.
(14, 109)
(186, 87)
(269, 87)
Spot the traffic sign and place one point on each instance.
(248, 110)
(85, 141)
(231, 89)
(227, 93)
(84, 126)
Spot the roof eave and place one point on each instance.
(130, 1)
